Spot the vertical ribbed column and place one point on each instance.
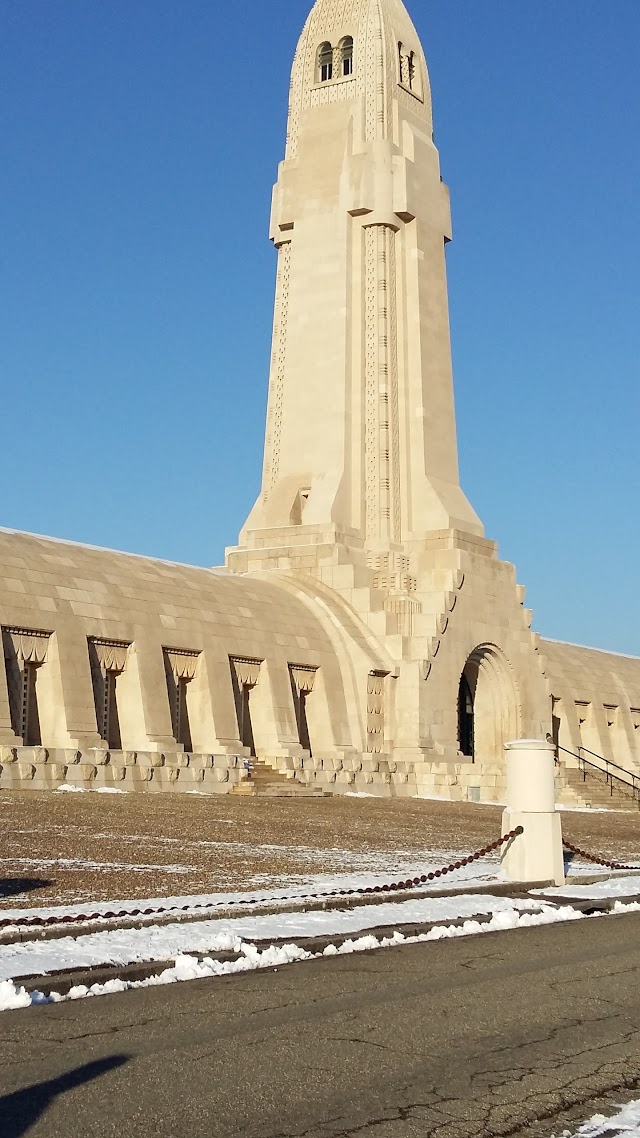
(382, 507)
(278, 364)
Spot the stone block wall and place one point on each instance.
(37, 768)
(384, 777)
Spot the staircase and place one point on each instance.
(596, 782)
(264, 782)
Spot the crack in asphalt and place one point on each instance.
(367, 1042)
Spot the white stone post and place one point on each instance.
(536, 854)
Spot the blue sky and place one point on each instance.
(140, 140)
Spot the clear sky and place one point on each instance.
(139, 142)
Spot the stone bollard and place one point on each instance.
(536, 855)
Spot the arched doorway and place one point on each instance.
(465, 718)
(488, 705)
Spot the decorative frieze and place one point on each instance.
(183, 664)
(303, 677)
(382, 440)
(375, 712)
(245, 670)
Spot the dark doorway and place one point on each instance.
(465, 718)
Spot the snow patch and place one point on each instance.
(252, 958)
(69, 788)
(616, 887)
(626, 1121)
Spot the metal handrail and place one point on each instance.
(630, 782)
(610, 763)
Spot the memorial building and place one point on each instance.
(364, 634)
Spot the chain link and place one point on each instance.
(596, 860)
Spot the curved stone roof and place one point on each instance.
(44, 582)
(591, 674)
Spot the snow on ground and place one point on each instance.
(616, 887)
(164, 942)
(83, 863)
(251, 958)
(626, 1121)
(71, 789)
(482, 872)
(403, 865)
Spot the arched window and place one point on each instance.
(325, 62)
(346, 55)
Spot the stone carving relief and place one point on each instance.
(245, 670)
(278, 367)
(382, 469)
(183, 664)
(303, 677)
(375, 712)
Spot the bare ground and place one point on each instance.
(62, 848)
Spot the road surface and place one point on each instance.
(474, 1036)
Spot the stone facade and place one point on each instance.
(364, 634)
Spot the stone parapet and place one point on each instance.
(36, 768)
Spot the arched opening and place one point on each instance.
(346, 55)
(488, 705)
(465, 718)
(325, 62)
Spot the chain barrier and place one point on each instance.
(391, 887)
(596, 860)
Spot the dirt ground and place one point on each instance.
(78, 847)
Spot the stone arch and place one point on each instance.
(487, 682)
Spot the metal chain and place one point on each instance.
(394, 886)
(596, 860)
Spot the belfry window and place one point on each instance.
(325, 62)
(346, 55)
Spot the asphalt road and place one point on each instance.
(475, 1036)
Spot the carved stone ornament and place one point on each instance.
(30, 647)
(246, 670)
(183, 664)
(110, 655)
(303, 677)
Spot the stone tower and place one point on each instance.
(360, 437)
(360, 488)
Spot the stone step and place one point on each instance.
(269, 783)
(594, 790)
(279, 790)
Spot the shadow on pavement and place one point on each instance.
(13, 886)
(19, 1111)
